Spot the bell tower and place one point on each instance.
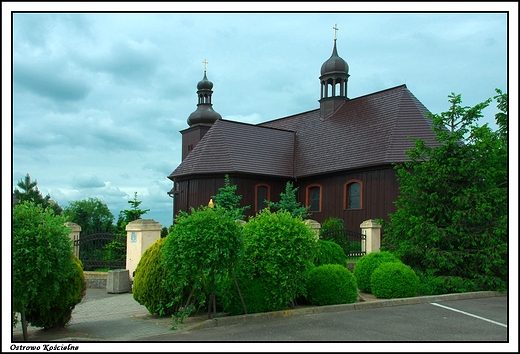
(333, 80)
(201, 120)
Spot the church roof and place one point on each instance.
(366, 131)
(233, 147)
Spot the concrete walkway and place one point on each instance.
(105, 317)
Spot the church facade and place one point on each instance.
(340, 156)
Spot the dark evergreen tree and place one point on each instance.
(452, 211)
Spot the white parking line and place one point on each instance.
(469, 314)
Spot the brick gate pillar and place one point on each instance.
(74, 235)
(372, 231)
(141, 234)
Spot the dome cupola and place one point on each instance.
(333, 80)
(204, 114)
(335, 64)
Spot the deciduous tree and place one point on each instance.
(42, 257)
(91, 214)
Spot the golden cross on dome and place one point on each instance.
(204, 62)
(335, 28)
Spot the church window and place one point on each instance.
(313, 198)
(262, 192)
(353, 195)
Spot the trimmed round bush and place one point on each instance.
(331, 284)
(72, 290)
(148, 288)
(329, 252)
(367, 264)
(394, 280)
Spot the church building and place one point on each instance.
(338, 155)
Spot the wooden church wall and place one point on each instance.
(379, 192)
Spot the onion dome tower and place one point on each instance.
(333, 79)
(201, 120)
(204, 114)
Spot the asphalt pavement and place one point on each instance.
(107, 318)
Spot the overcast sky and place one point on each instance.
(99, 98)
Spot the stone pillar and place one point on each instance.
(372, 231)
(315, 226)
(74, 235)
(141, 234)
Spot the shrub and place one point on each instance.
(278, 251)
(41, 255)
(331, 284)
(72, 290)
(335, 224)
(394, 280)
(202, 249)
(329, 252)
(253, 291)
(149, 288)
(367, 264)
(438, 285)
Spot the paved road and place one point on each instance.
(116, 322)
(470, 320)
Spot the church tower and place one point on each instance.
(201, 120)
(333, 79)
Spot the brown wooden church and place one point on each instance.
(339, 155)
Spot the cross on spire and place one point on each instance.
(204, 62)
(335, 28)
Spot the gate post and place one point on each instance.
(315, 226)
(372, 231)
(141, 234)
(74, 236)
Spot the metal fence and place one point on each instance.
(102, 250)
(353, 243)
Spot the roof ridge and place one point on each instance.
(379, 92)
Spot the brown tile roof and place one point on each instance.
(241, 148)
(365, 131)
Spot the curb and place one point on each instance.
(363, 305)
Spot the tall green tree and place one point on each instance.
(42, 258)
(289, 203)
(29, 192)
(229, 200)
(129, 215)
(91, 214)
(452, 211)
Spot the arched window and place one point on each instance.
(353, 195)
(313, 198)
(262, 193)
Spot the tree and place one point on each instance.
(129, 215)
(289, 203)
(202, 249)
(42, 257)
(91, 214)
(451, 218)
(228, 199)
(30, 192)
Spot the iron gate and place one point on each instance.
(102, 250)
(353, 243)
